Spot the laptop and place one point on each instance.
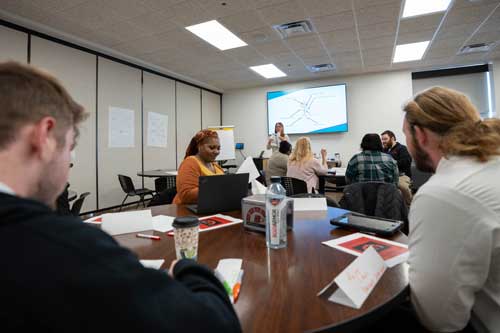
(220, 193)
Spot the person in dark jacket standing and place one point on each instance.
(59, 274)
(400, 153)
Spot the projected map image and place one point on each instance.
(313, 110)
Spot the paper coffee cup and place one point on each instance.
(186, 230)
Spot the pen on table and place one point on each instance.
(148, 236)
(237, 286)
(225, 284)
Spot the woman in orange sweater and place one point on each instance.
(199, 161)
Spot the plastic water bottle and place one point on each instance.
(276, 215)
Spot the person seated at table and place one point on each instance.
(278, 161)
(274, 140)
(302, 164)
(199, 161)
(372, 165)
(60, 274)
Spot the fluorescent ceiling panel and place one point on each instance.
(216, 34)
(268, 71)
(424, 7)
(410, 52)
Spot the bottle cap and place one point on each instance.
(275, 179)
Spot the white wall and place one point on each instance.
(188, 116)
(13, 45)
(472, 85)
(496, 84)
(374, 104)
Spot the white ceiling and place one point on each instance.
(358, 36)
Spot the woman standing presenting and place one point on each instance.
(199, 161)
(275, 139)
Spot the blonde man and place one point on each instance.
(454, 236)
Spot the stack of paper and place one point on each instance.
(127, 222)
(156, 264)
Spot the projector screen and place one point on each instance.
(310, 110)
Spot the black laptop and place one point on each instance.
(220, 193)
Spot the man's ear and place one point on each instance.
(421, 135)
(43, 140)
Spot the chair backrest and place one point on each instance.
(126, 184)
(293, 186)
(77, 205)
(164, 183)
(375, 199)
(418, 178)
(262, 178)
(164, 197)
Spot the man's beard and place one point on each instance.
(422, 159)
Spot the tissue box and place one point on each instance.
(253, 209)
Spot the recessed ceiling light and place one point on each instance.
(268, 71)
(410, 52)
(423, 7)
(216, 34)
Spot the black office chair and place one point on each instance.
(164, 183)
(77, 205)
(130, 190)
(262, 178)
(293, 186)
(164, 197)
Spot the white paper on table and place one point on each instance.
(229, 269)
(257, 187)
(163, 223)
(157, 129)
(357, 281)
(127, 222)
(306, 204)
(156, 264)
(248, 166)
(121, 128)
(338, 171)
(390, 262)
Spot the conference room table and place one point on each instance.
(279, 287)
(157, 173)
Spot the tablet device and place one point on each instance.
(360, 222)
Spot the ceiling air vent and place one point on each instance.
(292, 29)
(476, 48)
(321, 68)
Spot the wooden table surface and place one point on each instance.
(156, 173)
(279, 287)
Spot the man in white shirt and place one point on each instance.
(454, 219)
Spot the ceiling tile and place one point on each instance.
(261, 35)
(471, 14)
(317, 60)
(153, 23)
(342, 46)
(374, 57)
(311, 53)
(225, 8)
(359, 4)
(246, 56)
(188, 13)
(126, 9)
(485, 37)
(338, 35)
(160, 5)
(26, 9)
(414, 37)
(283, 13)
(122, 30)
(377, 14)
(376, 43)
(90, 15)
(304, 42)
(378, 30)
(316, 8)
(420, 23)
(272, 48)
(267, 3)
(243, 22)
(459, 30)
(344, 20)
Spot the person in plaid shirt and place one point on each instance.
(372, 165)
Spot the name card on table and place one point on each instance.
(357, 281)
